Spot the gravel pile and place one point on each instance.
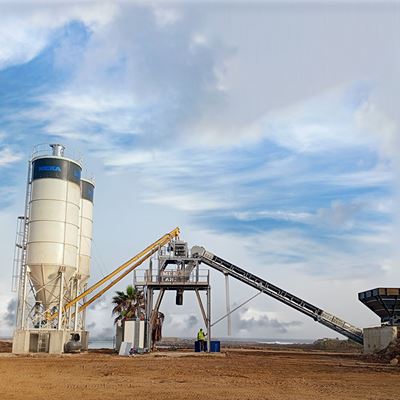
(391, 353)
(5, 346)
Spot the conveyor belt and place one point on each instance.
(277, 293)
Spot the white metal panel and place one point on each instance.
(71, 235)
(45, 253)
(129, 331)
(47, 210)
(54, 210)
(87, 209)
(86, 228)
(85, 240)
(56, 254)
(46, 231)
(141, 334)
(85, 247)
(55, 189)
(134, 332)
(74, 193)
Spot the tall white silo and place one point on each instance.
(52, 252)
(53, 221)
(85, 232)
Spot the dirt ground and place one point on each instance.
(234, 374)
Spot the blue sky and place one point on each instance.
(267, 131)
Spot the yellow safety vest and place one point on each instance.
(200, 335)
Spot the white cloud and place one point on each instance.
(26, 29)
(339, 215)
(216, 95)
(276, 215)
(8, 156)
(84, 116)
(343, 256)
(165, 15)
(192, 179)
(376, 123)
(191, 202)
(233, 84)
(252, 320)
(181, 322)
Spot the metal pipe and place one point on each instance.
(83, 318)
(149, 308)
(203, 313)
(151, 269)
(61, 301)
(23, 300)
(58, 149)
(76, 305)
(236, 308)
(71, 289)
(228, 304)
(154, 315)
(209, 319)
(115, 281)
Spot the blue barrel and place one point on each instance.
(197, 346)
(215, 346)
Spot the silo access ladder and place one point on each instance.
(279, 294)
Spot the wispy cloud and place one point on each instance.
(10, 316)
(352, 256)
(339, 215)
(181, 322)
(251, 321)
(8, 156)
(26, 29)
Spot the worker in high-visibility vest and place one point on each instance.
(201, 337)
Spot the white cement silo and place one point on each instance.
(53, 239)
(53, 253)
(85, 233)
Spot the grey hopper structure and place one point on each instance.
(384, 302)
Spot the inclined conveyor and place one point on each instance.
(279, 294)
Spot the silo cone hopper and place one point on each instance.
(384, 302)
(46, 281)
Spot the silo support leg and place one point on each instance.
(76, 305)
(154, 314)
(60, 305)
(23, 301)
(203, 313)
(71, 290)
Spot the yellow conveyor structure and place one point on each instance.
(123, 270)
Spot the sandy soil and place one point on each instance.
(236, 374)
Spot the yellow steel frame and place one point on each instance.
(128, 266)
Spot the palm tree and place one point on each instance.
(128, 305)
